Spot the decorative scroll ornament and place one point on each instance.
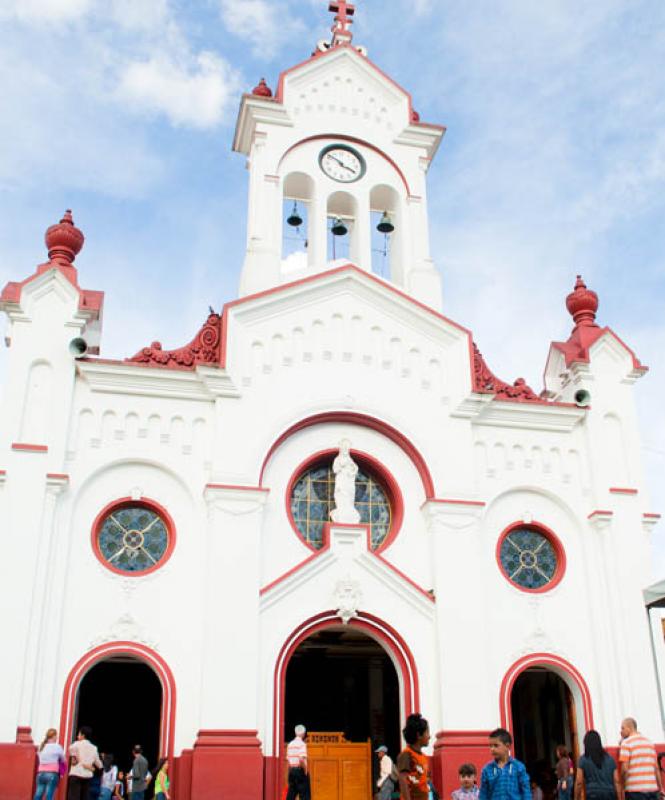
(346, 470)
(486, 382)
(347, 597)
(205, 348)
(125, 629)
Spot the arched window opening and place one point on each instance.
(342, 214)
(297, 198)
(385, 225)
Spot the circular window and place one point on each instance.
(133, 537)
(311, 499)
(531, 558)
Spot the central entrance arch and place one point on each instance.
(365, 635)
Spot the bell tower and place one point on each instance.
(337, 161)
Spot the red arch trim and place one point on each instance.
(391, 640)
(542, 660)
(142, 653)
(364, 420)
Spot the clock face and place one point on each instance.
(342, 163)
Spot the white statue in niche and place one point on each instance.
(345, 469)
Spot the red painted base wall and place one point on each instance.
(451, 750)
(227, 764)
(18, 764)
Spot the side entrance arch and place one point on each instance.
(126, 693)
(545, 702)
(365, 662)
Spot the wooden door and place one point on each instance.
(339, 770)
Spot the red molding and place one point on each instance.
(362, 420)
(553, 540)
(373, 466)
(379, 630)
(405, 577)
(30, 448)
(600, 511)
(123, 502)
(58, 476)
(3, 471)
(141, 653)
(240, 488)
(619, 490)
(651, 516)
(542, 660)
(450, 501)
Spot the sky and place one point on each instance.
(553, 162)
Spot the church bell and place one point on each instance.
(338, 227)
(385, 224)
(294, 219)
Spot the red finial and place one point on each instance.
(341, 30)
(415, 116)
(582, 304)
(64, 240)
(262, 89)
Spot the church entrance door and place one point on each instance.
(120, 698)
(342, 685)
(544, 716)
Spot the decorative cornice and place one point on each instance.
(486, 382)
(482, 410)
(205, 348)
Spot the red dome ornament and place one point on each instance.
(415, 116)
(262, 89)
(64, 240)
(582, 304)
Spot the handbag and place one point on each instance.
(62, 768)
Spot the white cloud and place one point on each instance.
(194, 94)
(44, 11)
(262, 23)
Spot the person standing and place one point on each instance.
(639, 768)
(109, 777)
(564, 779)
(597, 771)
(296, 756)
(503, 778)
(412, 763)
(162, 780)
(384, 783)
(139, 774)
(52, 765)
(85, 761)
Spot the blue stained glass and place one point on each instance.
(312, 499)
(133, 538)
(528, 558)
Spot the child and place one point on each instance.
(504, 778)
(119, 789)
(467, 778)
(563, 773)
(412, 763)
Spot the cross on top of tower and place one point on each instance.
(341, 30)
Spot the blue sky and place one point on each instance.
(553, 163)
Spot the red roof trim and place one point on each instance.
(90, 300)
(576, 352)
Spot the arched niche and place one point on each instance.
(343, 206)
(297, 199)
(387, 257)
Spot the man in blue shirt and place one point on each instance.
(504, 778)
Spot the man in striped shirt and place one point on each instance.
(296, 756)
(639, 769)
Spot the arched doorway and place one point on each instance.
(120, 698)
(545, 702)
(126, 693)
(368, 638)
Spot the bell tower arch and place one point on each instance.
(337, 153)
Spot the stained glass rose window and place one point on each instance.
(133, 538)
(312, 499)
(529, 558)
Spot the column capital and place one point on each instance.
(600, 519)
(452, 514)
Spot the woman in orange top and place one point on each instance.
(412, 763)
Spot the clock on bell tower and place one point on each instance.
(337, 147)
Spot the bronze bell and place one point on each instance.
(338, 227)
(294, 219)
(385, 224)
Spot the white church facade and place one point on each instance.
(175, 573)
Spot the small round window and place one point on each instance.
(133, 537)
(530, 558)
(312, 499)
